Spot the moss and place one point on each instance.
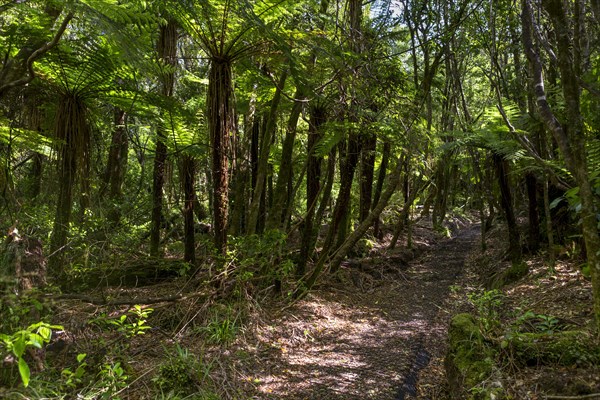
(512, 274)
(564, 348)
(469, 361)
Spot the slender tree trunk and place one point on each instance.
(379, 187)
(188, 171)
(284, 185)
(326, 194)
(36, 175)
(342, 203)
(263, 159)
(514, 237)
(549, 229)
(243, 171)
(167, 53)
(367, 168)
(116, 165)
(313, 178)
(351, 240)
(534, 215)
(221, 126)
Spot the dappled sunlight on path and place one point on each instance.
(351, 345)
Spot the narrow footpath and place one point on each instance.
(369, 337)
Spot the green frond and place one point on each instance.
(333, 133)
(592, 146)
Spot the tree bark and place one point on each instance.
(188, 171)
(71, 127)
(167, 53)
(514, 237)
(220, 126)
(367, 170)
(570, 136)
(534, 214)
(313, 178)
(115, 167)
(337, 258)
(379, 186)
(263, 159)
(284, 185)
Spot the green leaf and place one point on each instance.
(18, 346)
(36, 340)
(45, 333)
(24, 371)
(81, 357)
(556, 202)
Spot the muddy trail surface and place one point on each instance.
(369, 337)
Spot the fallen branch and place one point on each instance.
(124, 302)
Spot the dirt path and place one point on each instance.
(368, 339)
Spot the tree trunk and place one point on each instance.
(167, 53)
(351, 240)
(534, 215)
(549, 229)
(342, 203)
(326, 194)
(313, 178)
(571, 141)
(378, 188)
(367, 168)
(221, 127)
(284, 185)
(188, 172)
(263, 159)
(36, 175)
(115, 167)
(72, 128)
(514, 237)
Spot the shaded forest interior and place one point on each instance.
(232, 159)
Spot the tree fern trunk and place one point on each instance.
(72, 129)
(221, 126)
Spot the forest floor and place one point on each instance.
(375, 330)
(369, 331)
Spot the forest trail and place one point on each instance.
(364, 340)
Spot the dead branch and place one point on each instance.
(125, 302)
